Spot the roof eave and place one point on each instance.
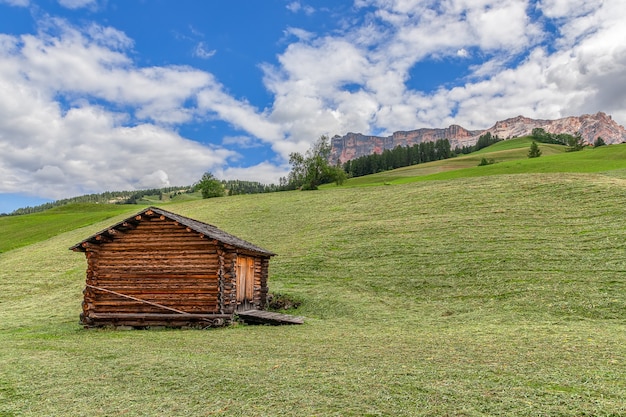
(219, 234)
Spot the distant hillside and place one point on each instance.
(150, 196)
(108, 197)
(355, 145)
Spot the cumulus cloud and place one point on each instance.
(57, 140)
(565, 8)
(79, 64)
(240, 114)
(547, 59)
(86, 150)
(585, 74)
(359, 80)
(266, 173)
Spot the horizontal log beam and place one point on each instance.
(153, 244)
(117, 276)
(163, 289)
(158, 316)
(139, 309)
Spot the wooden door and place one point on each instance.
(245, 281)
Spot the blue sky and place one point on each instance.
(100, 95)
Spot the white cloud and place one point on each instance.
(556, 9)
(360, 80)
(296, 6)
(422, 29)
(55, 139)
(18, 3)
(242, 141)
(54, 142)
(102, 35)
(240, 114)
(301, 34)
(156, 179)
(77, 4)
(265, 173)
(86, 150)
(202, 52)
(584, 77)
(77, 65)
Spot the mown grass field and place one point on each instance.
(478, 296)
(510, 157)
(18, 231)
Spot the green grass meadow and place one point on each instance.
(473, 296)
(18, 231)
(510, 157)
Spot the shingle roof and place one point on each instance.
(206, 229)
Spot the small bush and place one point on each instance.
(282, 302)
(599, 142)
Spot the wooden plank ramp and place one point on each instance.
(268, 317)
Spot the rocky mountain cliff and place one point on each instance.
(589, 126)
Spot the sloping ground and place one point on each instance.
(18, 231)
(510, 157)
(503, 295)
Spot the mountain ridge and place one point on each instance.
(589, 126)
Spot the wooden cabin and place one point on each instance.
(158, 268)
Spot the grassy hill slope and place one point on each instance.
(18, 231)
(511, 158)
(503, 295)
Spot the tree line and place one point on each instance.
(209, 186)
(403, 156)
(107, 197)
(483, 141)
(398, 157)
(308, 172)
(223, 187)
(573, 142)
(312, 169)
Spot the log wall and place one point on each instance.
(152, 271)
(158, 261)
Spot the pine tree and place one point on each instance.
(534, 151)
(599, 142)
